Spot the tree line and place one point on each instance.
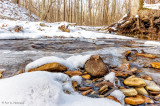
(82, 12)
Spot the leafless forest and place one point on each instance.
(82, 12)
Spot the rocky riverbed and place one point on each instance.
(129, 66)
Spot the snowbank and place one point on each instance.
(43, 89)
(35, 30)
(73, 62)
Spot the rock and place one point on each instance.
(94, 96)
(122, 73)
(147, 55)
(88, 81)
(42, 24)
(152, 86)
(87, 76)
(84, 88)
(155, 65)
(17, 28)
(64, 28)
(21, 71)
(51, 67)
(129, 92)
(95, 66)
(147, 100)
(101, 96)
(73, 73)
(134, 69)
(100, 79)
(125, 66)
(141, 91)
(113, 98)
(1, 71)
(75, 85)
(131, 55)
(134, 81)
(0, 75)
(146, 77)
(100, 84)
(154, 92)
(137, 100)
(86, 92)
(103, 89)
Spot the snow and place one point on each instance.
(110, 77)
(44, 89)
(119, 95)
(73, 62)
(13, 11)
(151, 43)
(77, 78)
(34, 30)
(152, 6)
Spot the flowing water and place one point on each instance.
(16, 54)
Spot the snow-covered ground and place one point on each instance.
(36, 30)
(45, 89)
(13, 11)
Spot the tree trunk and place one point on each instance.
(43, 10)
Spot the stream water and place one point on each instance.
(16, 54)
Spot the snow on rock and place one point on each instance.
(72, 62)
(77, 78)
(44, 89)
(110, 77)
(119, 95)
(13, 11)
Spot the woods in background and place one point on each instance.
(82, 12)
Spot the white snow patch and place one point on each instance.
(44, 89)
(152, 6)
(73, 62)
(119, 95)
(77, 78)
(110, 77)
(152, 43)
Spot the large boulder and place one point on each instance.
(51, 67)
(95, 66)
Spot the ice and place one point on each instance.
(44, 89)
(73, 62)
(110, 77)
